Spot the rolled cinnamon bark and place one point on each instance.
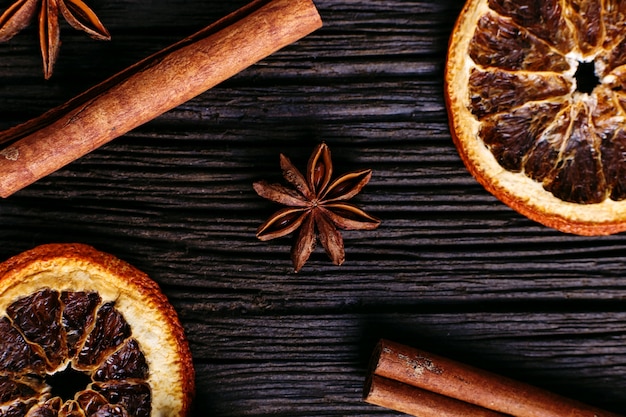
(465, 383)
(151, 87)
(418, 402)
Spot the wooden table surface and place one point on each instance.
(451, 269)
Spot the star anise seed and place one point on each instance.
(316, 206)
(77, 14)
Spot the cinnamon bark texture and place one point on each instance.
(408, 367)
(151, 87)
(414, 401)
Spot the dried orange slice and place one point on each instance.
(85, 334)
(536, 97)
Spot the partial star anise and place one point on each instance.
(315, 204)
(77, 14)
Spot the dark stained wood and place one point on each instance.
(451, 269)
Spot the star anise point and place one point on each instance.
(76, 13)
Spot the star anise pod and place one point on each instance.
(316, 204)
(77, 14)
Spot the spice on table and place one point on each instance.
(315, 204)
(77, 14)
(418, 402)
(407, 379)
(151, 87)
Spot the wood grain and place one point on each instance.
(450, 270)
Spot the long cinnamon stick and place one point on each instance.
(414, 401)
(151, 87)
(416, 368)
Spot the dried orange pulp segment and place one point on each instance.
(536, 98)
(70, 306)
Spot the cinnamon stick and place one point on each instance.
(435, 374)
(151, 87)
(414, 401)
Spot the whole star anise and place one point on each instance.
(315, 204)
(77, 14)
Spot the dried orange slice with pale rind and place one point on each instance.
(536, 97)
(70, 306)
